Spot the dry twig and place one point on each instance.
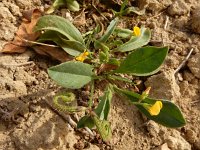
(166, 22)
(183, 62)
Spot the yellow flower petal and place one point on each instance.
(136, 31)
(154, 110)
(82, 56)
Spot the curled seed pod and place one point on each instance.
(62, 103)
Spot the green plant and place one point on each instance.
(70, 4)
(95, 60)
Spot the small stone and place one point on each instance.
(153, 128)
(194, 64)
(178, 7)
(179, 76)
(191, 136)
(163, 85)
(164, 147)
(178, 144)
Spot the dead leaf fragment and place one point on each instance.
(55, 52)
(106, 67)
(25, 37)
(25, 32)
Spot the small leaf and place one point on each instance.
(103, 128)
(125, 2)
(114, 61)
(56, 4)
(170, 115)
(135, 42)
(109, 30)
(104, 53)
(86, 121)
(60, 25)
(135, 10)
(123, 33)
(103, 107)
(144, 61)
(72, 74)
(72, 5)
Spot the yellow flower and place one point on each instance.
(136, 31)
(82, 56)
(154, 109)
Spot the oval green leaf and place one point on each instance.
(103, 107)
(103, 127)
(72, 74)
(73, 5)
(169, 116)
(144, 61)
(60, 25)
(135, 42)
(73, 48)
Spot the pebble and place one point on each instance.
(178, 7)
(193, 64)
(191, 136)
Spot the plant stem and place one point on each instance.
(113, 77)
(90, 103)
(38, 43)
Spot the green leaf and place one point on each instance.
(72, 5)
(123, 6)
(103, 128)
(72, 74)
(123, 33)
(135, 10)
(104, 53)
(170, 115)
(114, 61)
(86, 121)
(103, 107)
(60, 25)
(73, 48)
(144, 61)
(109, 30)
(135, 42)
(56, 4)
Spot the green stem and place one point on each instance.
(113, 77)
(90, 103)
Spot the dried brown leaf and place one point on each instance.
(106, 67)
(25, 32)
(55, 52)
(25, 37)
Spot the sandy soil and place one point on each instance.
(27, 122)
